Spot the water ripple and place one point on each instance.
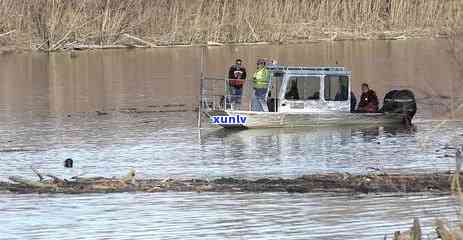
(217, 216)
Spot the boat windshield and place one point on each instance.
(303, 88)
(336, 88)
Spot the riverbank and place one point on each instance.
(128, 43)
(59, 25)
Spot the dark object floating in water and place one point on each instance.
(99, 113)
(152, 111)
(9, 150)
(447, 147)
(173, 105)
(151, 121)
(443, 96)
(128, 109)
(68, 163)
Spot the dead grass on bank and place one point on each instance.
(57, 24)
(441, 226)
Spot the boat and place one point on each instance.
(323, 98)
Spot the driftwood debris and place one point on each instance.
(441, 229)
(330, 182)
(150, 44)
(7, 33)
(413, 234)
(455, 185)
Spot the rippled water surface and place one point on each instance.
(169, 145)
(145, 121)
(216, 216)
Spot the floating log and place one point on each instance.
(330, 182)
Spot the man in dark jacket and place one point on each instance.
(368, 100)
(236, 78)
(237, 71)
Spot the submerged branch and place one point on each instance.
(37, 173)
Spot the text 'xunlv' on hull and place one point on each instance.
(271, 119)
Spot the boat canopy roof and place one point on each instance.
(301, 70)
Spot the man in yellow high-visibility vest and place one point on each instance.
(260, 81)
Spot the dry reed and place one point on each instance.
(55, 24)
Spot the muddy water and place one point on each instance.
(168, 78)
(216, 216)
(48, 107)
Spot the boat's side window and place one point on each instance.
(336, 88)
(302, 88)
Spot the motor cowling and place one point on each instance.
(400, 101)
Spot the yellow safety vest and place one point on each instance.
(260, 78)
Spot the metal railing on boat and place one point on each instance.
(216, 93)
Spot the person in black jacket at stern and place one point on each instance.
(368, 100)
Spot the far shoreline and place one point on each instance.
(142, 44)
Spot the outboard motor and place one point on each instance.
(400, 101)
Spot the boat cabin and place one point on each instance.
(308, 89)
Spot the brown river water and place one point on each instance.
(48, 107)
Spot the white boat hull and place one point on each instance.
(277, 119)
